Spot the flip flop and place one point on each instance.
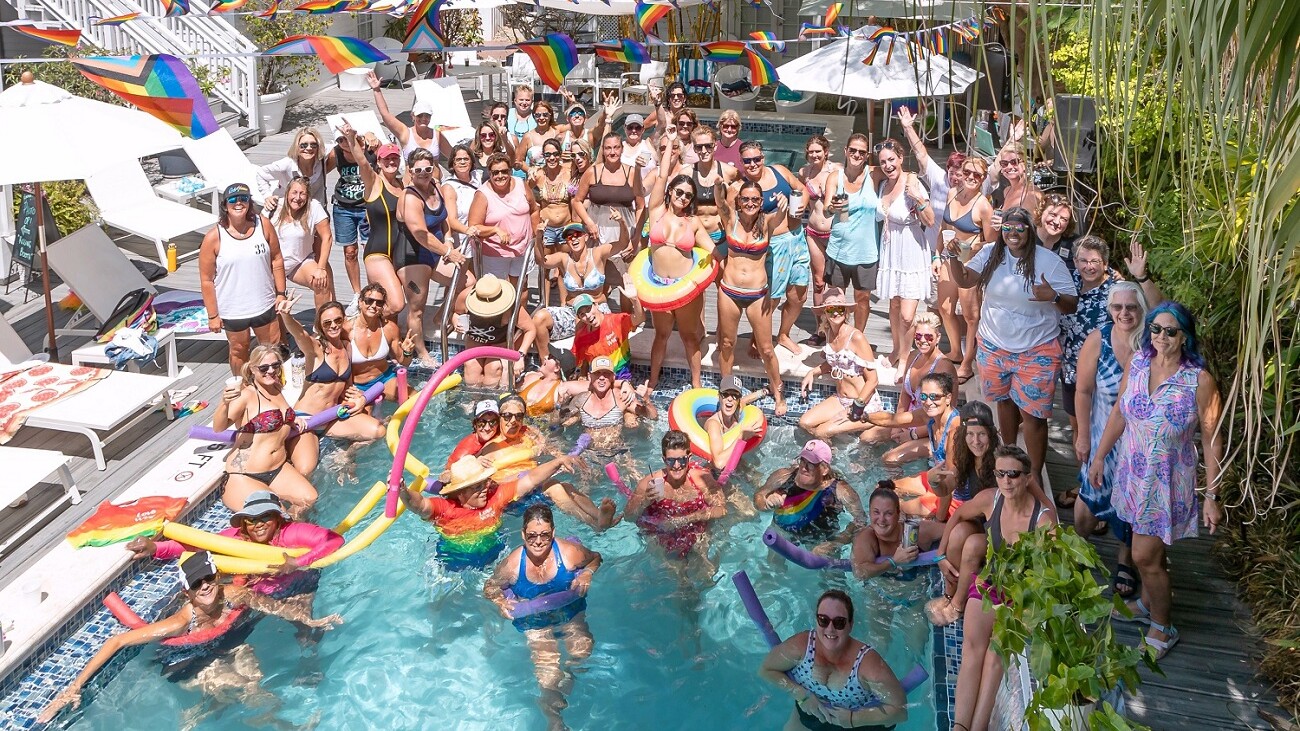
(1162, 647)
(961, 380)
(1124, 575)
(1071, 495)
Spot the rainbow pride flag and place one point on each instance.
(173, 8)
(337, 53)
(424, 32)
(624, 51)
(938, 42)
(723, 51)
(53, 35)
(761, 71)
(766, 40)
(554, 56)
(648, 15)
(425, 9)
(161, 85)
(832, 14)
(116, 19)
(320, 7)
(809, 30)
(269, 12)
(111, 523)
(225, 6)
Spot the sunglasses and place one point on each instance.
(422, 171)
(729, 125)
(686, 124)
(729, 395)
(373, 301)
(824, 621)
(677, 95)
(676, 463)
(1009, 163)
(236, 199)
(885, 146)
(550, 155)
(268, 368)
(856, 151)
(501, 173)
(487, 135)
(835, 310)
(703, 148)
(486, 421)
(924, 337)
(972, 174)
(751, 160)
(204, 581)
(686, 194)
(308, 145)
(499, 116)
(577, 113)
(460, 161)
(332, 323)
(582, 155)
(750, 200)
(1089, 262)
(928, 397)
(1124, 308)
(538, 537)
(541, 115)
(1171, 332)
(1010, 474)
(634, 128)
(260, 519)
(512, 415)
(1015, 227)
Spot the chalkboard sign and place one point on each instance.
(26, 241)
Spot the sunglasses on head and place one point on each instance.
(824, 621)
(1010, 474)
(268, 368)
(751, 160)
(240, 198)
(676, 463)
(889, 145)
(1171, 332)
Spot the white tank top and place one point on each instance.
(245, 285)
(414, 143)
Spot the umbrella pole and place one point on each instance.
(53, 350)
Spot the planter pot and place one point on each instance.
(1077, 717)
(270, 111)
(175, 164)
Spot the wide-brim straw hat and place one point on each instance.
(491, 297)
(465, 472)
(833, 297)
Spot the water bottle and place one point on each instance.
(171, 256)
(297, 370)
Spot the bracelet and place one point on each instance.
(1146, 278)
(1213, 497)
(408, 353)
(890, 560)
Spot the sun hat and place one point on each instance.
(730, 383)
(196, 568)
(491, 296)
(581, 301)
(816, 451)
(465, 472)
(602, 363)
(833, 297)
(634, 119)
(421, 107)
(258, 503)
(386, 150)
(486, 406)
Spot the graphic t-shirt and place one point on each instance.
(609, 339)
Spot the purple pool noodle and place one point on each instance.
(543, 603)
(315, 421)
(580, 446)
(809, 560)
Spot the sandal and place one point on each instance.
(1138, 610)
(1124, 581)
(1162, 647)
(962, 379)
(1067, 499)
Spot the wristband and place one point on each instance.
(890, 561)
(1146, 278)
(278, 293)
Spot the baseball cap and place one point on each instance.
(816, 451)
(196, 568)
(421, 107)
(575, 108)
(634, 119)
(386, 150)
(237, 189)
(602, 363)
(581, 301)
(486, 406)
(259, 502)
(573, 227)
(730, 383)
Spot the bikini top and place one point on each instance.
(852, 695)
(705, 193)
(380, 354)
(737, 241)
(781, 187)
(325, 373)
(602, 194)
(844, 363)
(267, 421)
(613, 417)
(908, 388)
(593, 281)
(685, 238)
(964, 223)
(544, 404)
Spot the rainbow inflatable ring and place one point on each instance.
(657, 295)
(693, 407)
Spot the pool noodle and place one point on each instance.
(127, 616)
(315, 421)
(579, 446)
(413, 419)
(910, 682)
(737, 451)
(225, 545)
(611, 470)
(401, 385)
(800, 556)
(393, 432)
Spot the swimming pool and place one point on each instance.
(421, 645)
(784, 136)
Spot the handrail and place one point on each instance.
(449, 300)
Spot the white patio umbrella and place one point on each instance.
(53, 135)
(837, 68)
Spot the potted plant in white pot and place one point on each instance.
(277, 74)
(1057, 616)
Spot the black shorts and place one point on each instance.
(1067, 396)
(861, 276)
(242, 324)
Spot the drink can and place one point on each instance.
(911, 532)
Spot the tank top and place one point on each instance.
(525, 589)
(510, 214)
(602, 194)
(245, 285)
(349, 190)
(939, 446)
(433, 218)
(705, 194)
(781, 187)
(413, 144)
(993, 528)
(486, 330)
(855, 242)
(852, 695)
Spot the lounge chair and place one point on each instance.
(101, 411)
(521, 72)
(697, 75)
(397, 67)
(587, 73)
(728, 77)
(637, 83)
(221, 163)
(24, 469)
(126, 201)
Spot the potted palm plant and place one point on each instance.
(1057, 617)
(277, 74)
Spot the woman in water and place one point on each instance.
(546, 564)
(807, 498)
(303, 228)
(420, 135)
(849, 205)
(605, 408)
(328, 386)
(503, 217)
(926, 360)
(581, 265)
(742, 282)
(1007, 512)
(675, 233)
(905, 259)
(208, 605)
(263, 423)
(969, 216)
(375, 345)
(1102, 362)
(1166, 394)
(731, 404)
(814, 175)
(849, 360)
(937, 410)
(424, 223)
(833, 677)
(388, 253)
(609, 186)
(677, 503)
(883, 537)
(543, 389)
(306, 158)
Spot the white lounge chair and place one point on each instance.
(397, 67)
(638, 83)
(24, 469)
(221, 163)
(126, 201)
(521, 72)
(587, 73)
(101, 411)
(743, 102)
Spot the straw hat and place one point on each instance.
(834, 297)
(491, 297)
(465, 472)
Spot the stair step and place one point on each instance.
(246, 136)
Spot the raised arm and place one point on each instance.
(923, 161)
(394, 125)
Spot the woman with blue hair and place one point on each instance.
(1165, 393)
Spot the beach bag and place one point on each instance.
(135, 309)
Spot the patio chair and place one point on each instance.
(521, 72)
(221, 163)
(24, 469)
(126, 201)
(697, 75)
(795, 102)
(587, 73)
(397, 67)
(101, 411)
(726, 78)
(638, 82)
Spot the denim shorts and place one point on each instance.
(348, 222)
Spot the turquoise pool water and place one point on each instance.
(421, 648)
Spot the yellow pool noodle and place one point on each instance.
(226, 546)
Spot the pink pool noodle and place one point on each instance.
(733, 461)
(401, 386)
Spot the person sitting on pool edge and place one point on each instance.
(207, 605)
(807, 498)
(468, 510)
(600, 334)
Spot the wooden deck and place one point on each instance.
(1210, 681)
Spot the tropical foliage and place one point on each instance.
(280, 73)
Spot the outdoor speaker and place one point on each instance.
(1074, 148)
(991, 92)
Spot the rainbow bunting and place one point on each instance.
(321, 7)
(939, 43)
(767, 41)
(161, 85)
(761, 71)
(427, 36)
(832, 14)
(723, 51)
(174, 8)
(357, 6)
(426, 11)
(624, 51)
(116, 523)
(337, 53)
(225, 6)
(554, 56)
(269, 12)
(647, 15)
(53, 35)
(808, 29)
(116, 19)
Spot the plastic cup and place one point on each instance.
(948, 236)
(964, 251)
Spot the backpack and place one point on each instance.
(135, 309)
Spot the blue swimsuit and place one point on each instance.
(525, 589)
